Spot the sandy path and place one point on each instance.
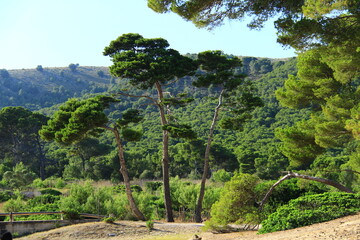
(347, 228)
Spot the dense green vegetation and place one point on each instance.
(253, 155)
(311, 209)
(95, 158)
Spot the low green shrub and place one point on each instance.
(71, 215)
(150, 225)
(310, 209)
(236, 204)
(109, 219)
(50, 191)
(221, 176)
(6, 195)
(153, 186)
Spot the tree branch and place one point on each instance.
(139, 96)
(173, 81)
(297, 175)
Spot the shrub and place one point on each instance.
(221, 176)
(121, 188)
(38, 183)
(146, 174)
(6, 195)
(119, 206)
(152, 186)
(71, 215)
(237, 202)
(109, 219)
(43, 200)
(150, 225)
(60, 183)
(14, 205)
(311, 209)
(51, 191)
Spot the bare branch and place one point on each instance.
(139, 96)
(297, 175)
(173, 81)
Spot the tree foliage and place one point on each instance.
(327, 82)
(300, 24)
(76, 119)
(311, 209)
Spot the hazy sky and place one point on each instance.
(55, 33)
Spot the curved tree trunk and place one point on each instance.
(124, 172)
(165, 158)
(198, 208)
(297, 175)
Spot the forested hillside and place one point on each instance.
(253, 150)
(44, 87)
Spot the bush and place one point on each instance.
(221, 176)
(71, 215)
(43, 200)
(49, 183)
(109, 219)
(119, 207)
(6, 195)
(14, 205)
(121, 188)
(150, 225)
(311, 209)
(51, 191)
(153, 186)
(237, 202)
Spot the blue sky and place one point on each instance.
(55, 33)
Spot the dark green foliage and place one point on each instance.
(311, 209)
(153, 186)
(121, 188)
(76, 118)
(51, 191)
(43, 199)
(6, 195)
(131, 135)
(180, 131)
(130, 116)
(300, 24)
(146, 61)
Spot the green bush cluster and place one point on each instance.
(112, 201)
(237, 203)
(221, 176)
(310, 209)
(51, 182)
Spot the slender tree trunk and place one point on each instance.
(123, 170)
(41, 158)
(198, 208)
(165, 158)
(297, 175)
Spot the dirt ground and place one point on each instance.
(347, 228)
